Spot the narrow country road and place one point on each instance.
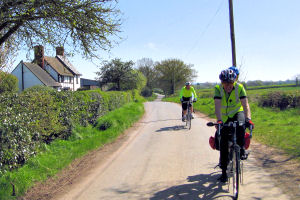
(163, 160)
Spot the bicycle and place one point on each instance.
(188, 117)
(235, 165)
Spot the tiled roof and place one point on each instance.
(41, 74)
(58, 66)
(68, 64)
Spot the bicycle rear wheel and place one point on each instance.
(189, 120)
(235, 173)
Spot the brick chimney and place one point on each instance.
(39, 55)
(60, 51)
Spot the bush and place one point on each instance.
(17, 139)
(41, 114)
(280, 99)
(206, 94)
(83, 89)
(43, 109)
(146, 92)
(8, 82)
(104, 124)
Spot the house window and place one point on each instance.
(76, 79)
(70, 79)
(66, 79)
(62, 79)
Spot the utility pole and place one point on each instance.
(174, 80)
(232, 33)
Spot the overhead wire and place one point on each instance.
(206, 28)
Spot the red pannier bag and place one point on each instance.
(247, 140)
(212, 142)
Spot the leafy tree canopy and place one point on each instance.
(8, 52)
(121, 74)
(173, 73)
(135, 80)
(85, 25)
(146, 66)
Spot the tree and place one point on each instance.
(86, 25)
(136, 80)
(8, 82)
(121, 74)
(146, 66)
(173, 73)
(8, 52)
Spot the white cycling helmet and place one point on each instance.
(188, 83)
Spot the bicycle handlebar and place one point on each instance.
(192, 101)
(230, 124)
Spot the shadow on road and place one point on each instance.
(171, 128)
(203, 186)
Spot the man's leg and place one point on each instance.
(184, 109)
(192, 110)
(183, 115)
(224, 154)
(241, 135)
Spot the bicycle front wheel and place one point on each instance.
(188, 120)
(235, 173)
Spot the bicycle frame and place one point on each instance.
(234, 169)
(189, 114)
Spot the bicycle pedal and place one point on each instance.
(245, 156)
(218, 165)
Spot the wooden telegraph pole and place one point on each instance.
(232, 33)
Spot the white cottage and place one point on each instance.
(30, 74)
(56, 72)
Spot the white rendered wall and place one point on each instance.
(18, 73)
(29, 78)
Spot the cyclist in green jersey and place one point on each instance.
(187, 93)
(231, 104)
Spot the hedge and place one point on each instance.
(280, 99)
(40, 115)
(8, 82)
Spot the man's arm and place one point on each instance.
(218, 109)
(181, 93)
(246, 107)
(195, 94)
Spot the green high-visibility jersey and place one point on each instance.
(188, 93)
(230, 103)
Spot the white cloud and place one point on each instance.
(151, 46)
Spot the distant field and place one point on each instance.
(274, 127)
(271, 86)
(255, 90)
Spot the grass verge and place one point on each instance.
(60, 153)
(273, 127)
(280, 129)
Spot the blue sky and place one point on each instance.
(197, 32)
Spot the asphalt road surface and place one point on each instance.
(164, 160)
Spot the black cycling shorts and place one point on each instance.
(184, 105)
